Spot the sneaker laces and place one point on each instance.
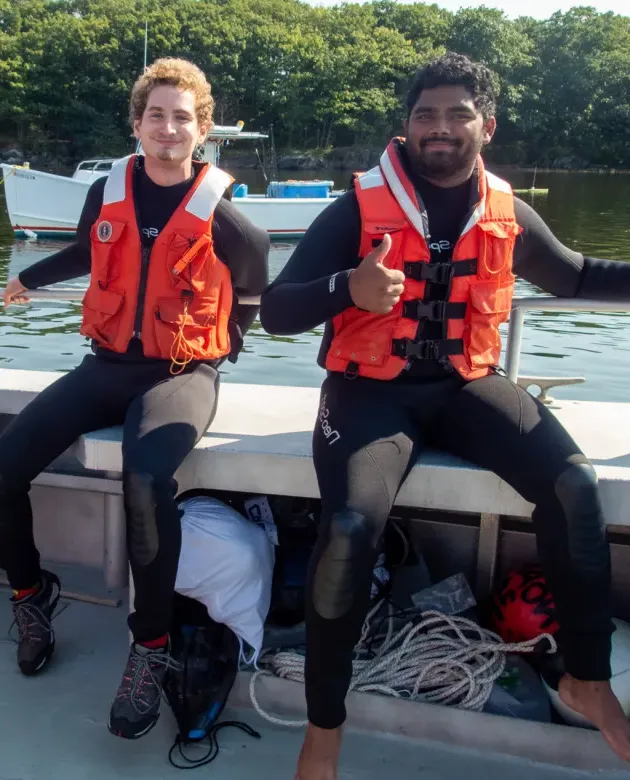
(140, 673)
(27, 616)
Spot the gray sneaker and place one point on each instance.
(33, 616)
(136, 708)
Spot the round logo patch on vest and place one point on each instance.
(104, 231)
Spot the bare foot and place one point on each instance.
(599, 705)
(319, 757)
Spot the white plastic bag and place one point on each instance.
(226, 563)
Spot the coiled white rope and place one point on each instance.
(441, 659)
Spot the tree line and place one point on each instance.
(320, 77)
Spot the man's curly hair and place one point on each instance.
(456, 70)
(178, 73)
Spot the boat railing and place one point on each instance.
(515, 328)
(72, 294)
(545, 303)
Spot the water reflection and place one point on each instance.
(586, 211)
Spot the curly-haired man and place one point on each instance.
(166, 252)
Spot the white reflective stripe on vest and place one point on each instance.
(370, 179)
(209, 193)
(492, 183)
(495, 183)
(399, 192)
(116, 182)
(480, 210)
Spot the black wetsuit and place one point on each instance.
(369, 433)
(163, 415)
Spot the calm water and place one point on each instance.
(589, 212)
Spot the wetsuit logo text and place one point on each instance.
(330, 433)
(440, 246)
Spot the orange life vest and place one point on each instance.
(177, 297)
(479, 278)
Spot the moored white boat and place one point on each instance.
(50, 205)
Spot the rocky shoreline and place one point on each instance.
(349, 158)
(362, 158)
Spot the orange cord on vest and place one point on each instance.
(489, 271)
(180, 346)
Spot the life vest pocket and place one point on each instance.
(102, 309)
(225, 304)
(104, 236)
(187, 326)
(496, 247)
(364, 338)
(490, 305)
(373, 237)
(186, 270)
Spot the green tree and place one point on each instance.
(582, 93)
(320, 77)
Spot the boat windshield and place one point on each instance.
(95, 165)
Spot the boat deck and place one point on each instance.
(53, 726)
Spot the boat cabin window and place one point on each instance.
(95, 165)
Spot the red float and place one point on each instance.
(523, 608)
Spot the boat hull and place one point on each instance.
(44, 203)
(50, 206)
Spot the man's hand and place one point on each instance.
(13, 292)
(374, 287)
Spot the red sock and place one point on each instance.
(22, 594)
(155, 644)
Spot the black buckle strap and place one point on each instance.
(427, 349)
(439, 273)
(435, 311)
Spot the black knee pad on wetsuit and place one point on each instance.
(144, 495)
(350, 545)
(576, 490)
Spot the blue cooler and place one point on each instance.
(299, 189)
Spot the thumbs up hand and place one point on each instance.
(374, 287)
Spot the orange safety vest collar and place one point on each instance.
(479, 279)
(177, 297)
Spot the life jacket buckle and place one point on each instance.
(425, 349)
(444, 273)
(437, 273)
(434, 311)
